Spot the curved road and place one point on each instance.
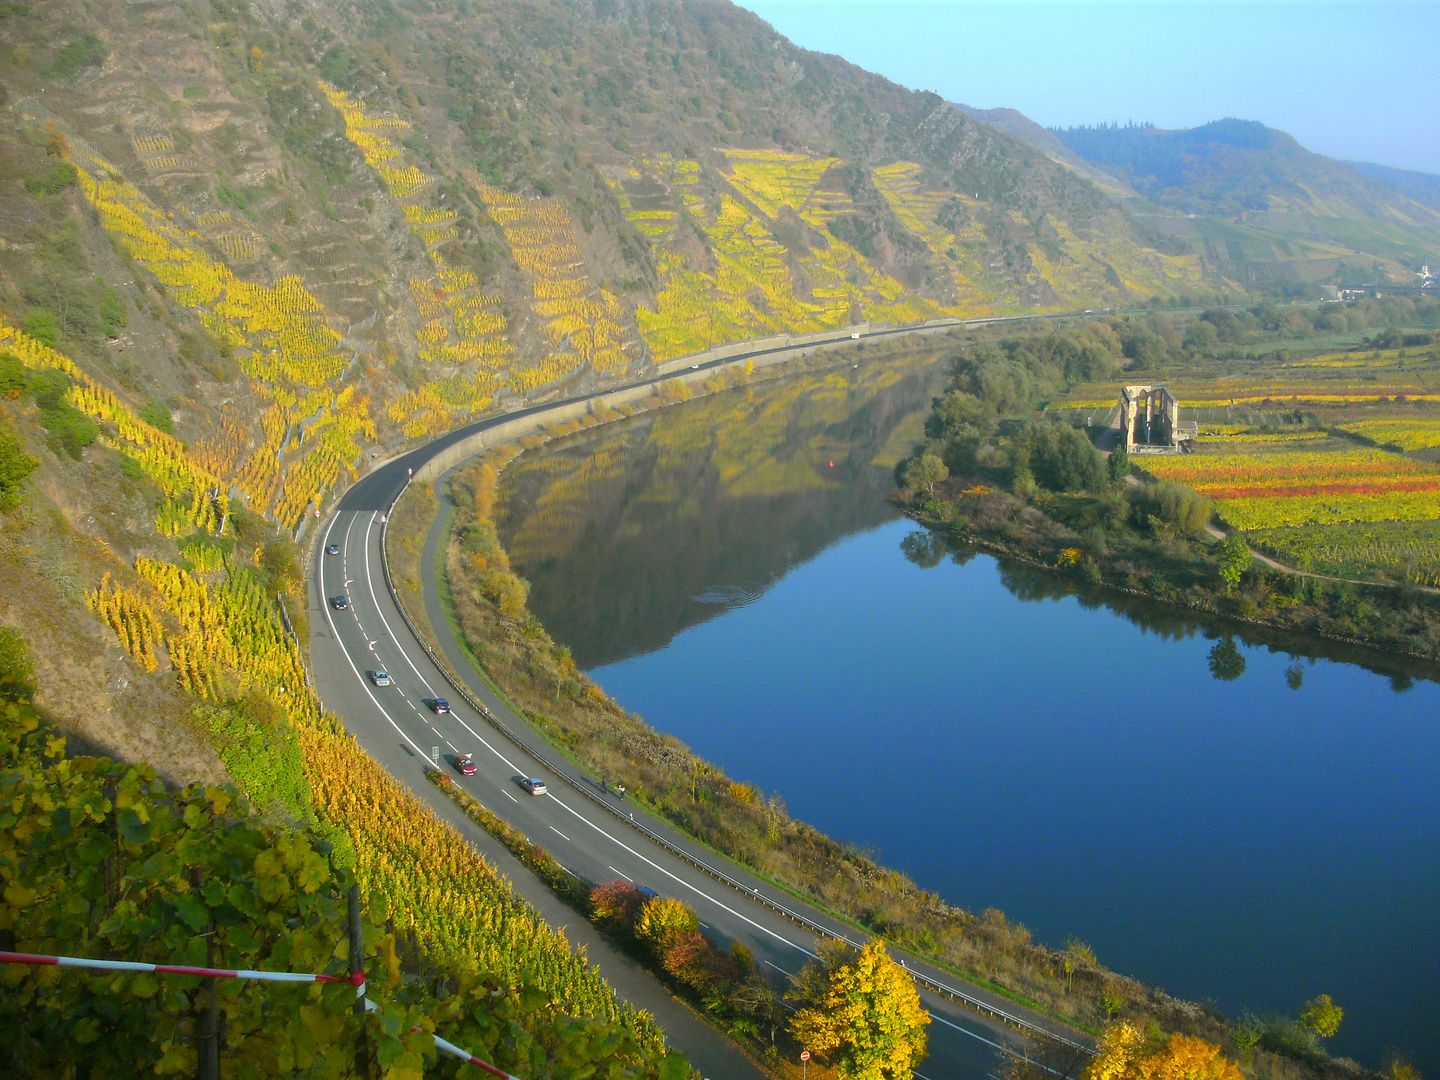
(586, 830)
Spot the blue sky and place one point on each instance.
(1356, 80)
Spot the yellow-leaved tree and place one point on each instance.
(861, 1010)
(1126, 1053)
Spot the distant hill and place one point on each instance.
(1422, 187)
(1250, 200)
(1019, 126)
(1228, 167)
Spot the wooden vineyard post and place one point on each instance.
(357, 976)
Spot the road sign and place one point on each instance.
(435, 755)
(804, 1055)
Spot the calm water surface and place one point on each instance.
(730, 570)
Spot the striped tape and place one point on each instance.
(356, 978)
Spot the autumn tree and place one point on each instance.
(1118, 465)
(924, 472)
(1321, 1016)
(1127, 1053)
(56, 145)
(663, 919)
(616, 903)
(257, 59)
(1234, 561)
(1076, 955)
(862, 1011)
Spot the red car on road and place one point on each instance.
(466, 764)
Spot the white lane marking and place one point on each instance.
(778, 968)
(363, 684)
(973, 1035)
(370, 584)
(452, 746)
(560, 834)
(370, 580)
(704, 926)
(612, 869)
(507, 794)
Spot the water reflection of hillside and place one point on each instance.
(636, 531)
(1168, 622)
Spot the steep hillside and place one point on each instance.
(451, 205)
(1019, 126)
(1277, 201)
(1422, 187)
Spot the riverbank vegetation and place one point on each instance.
(486, 602)
(1008, 464)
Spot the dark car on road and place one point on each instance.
(466, 764)
(534, 785)
(647, 892)
(332, 549)
(439, 705)
(339, 603)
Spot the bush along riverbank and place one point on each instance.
(725, 985)
(1036, 490)
(486, 603)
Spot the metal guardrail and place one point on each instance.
(585, 789)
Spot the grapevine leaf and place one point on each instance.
(193, 910)
(132, 826)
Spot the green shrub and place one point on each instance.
(1058, 456)
(113, 316)
(61, 175)
(1166, 507)
(14, 376)
(260, 751)
(17, 665)
(43, 327)
(157, 414)
(15, 466)
(75, 56)
(69, 429)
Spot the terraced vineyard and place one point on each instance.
(1261, 490)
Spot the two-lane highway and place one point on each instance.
(586, 828)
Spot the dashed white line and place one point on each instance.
(512, 798)
(612, 869)
(560, 834)
(778, 968)
(972, 1034)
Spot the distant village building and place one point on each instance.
(1150, 421)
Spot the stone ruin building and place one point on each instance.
(1150, 420)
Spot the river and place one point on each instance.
(1236, 817)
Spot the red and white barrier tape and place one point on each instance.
(357, 979)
